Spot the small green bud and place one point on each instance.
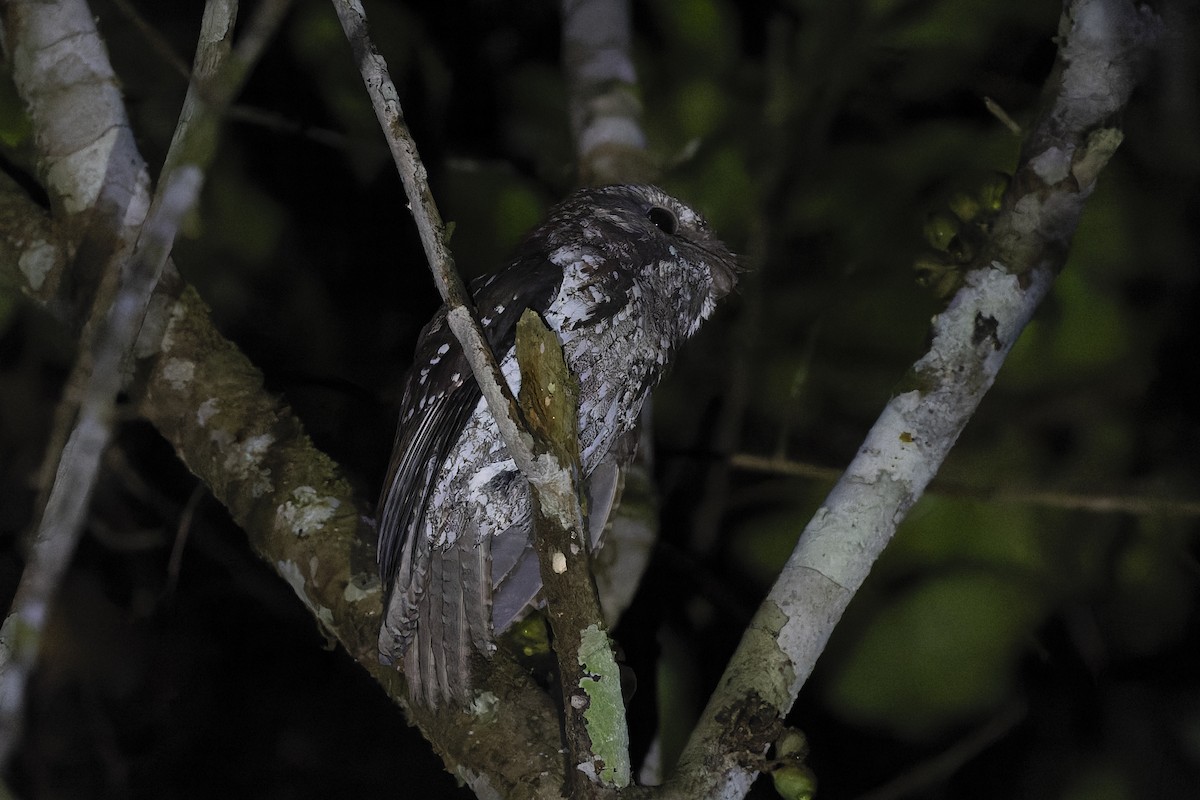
(964, 206)
(942, 230)
(531, 636)
(991, 193)
(938, 274)
(792, 744)
(929, 268)
(795, 782)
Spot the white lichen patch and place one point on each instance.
(1096, 50)
(484, 705)
(206, 411)
(243, 460)
(305, 511)
(179, 373)
(291, 573)
(362, 585)
(891, 449)
(1027, 214)
(1052, 165)
(36, 261)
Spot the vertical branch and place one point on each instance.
(605, 111)
(89, 165)
(87, 159)
(606, 123)
(610, 146)
(594, 710)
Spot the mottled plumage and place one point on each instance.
(623, 275)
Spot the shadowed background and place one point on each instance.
(1004, 646)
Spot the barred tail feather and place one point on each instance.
(453, 620)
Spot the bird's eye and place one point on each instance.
(664, 219)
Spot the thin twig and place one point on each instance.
(783, 466)
(461, 314)
(66, 508)
(1137, 505)
(999, 113)
(276, 122)
(157, 41)
(938, 769)
(213, 47)
(182, 531)
(553, 482)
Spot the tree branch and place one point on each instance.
(605, 112)
(60, 68)
(206, 398)
(1100, 45)
(461, 314)
(302, 517)
(553, 480)
(594, 710)
(99, 373)
(606, 124)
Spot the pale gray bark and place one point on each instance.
(1101, 45)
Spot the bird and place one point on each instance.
(622, 275)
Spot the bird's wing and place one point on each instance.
(440, 395)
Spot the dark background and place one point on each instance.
(1003, 647)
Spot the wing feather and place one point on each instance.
(440, 396)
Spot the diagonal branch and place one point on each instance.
(60, 67)
(553, 480)
(1101, 43)
(298, 510)
(208, 401)
(301, 516)
(460, 311)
